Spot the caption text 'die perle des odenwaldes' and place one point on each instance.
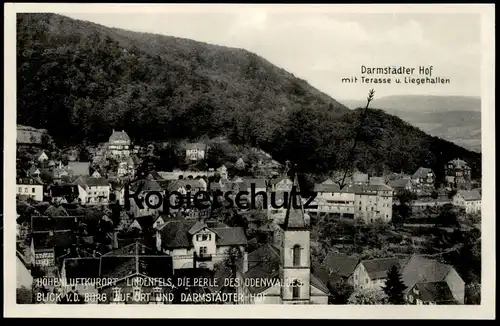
(70, 289)
(421, 75)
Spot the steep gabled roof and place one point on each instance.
(438, 292)
(420, 269)
(119, 136)
(199, 146)
(79, 168)
(470, 195)
(294, 217)
(421, 173)
(341, 265)
(230, 236)
(378, 268)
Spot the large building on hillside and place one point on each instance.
(30, 135)
(457, 172)
(119, 144)
(367, 202)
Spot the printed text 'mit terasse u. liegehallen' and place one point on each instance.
(403, 75)
(202, 199)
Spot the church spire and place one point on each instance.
(294, 218)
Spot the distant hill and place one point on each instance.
(80, 80)
(454, 118)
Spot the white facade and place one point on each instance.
(361, 280)
(471, 205)
(204, 245)
(374, 203)
(93, 195)
(337, 202)
(32, 190)
(195, 154)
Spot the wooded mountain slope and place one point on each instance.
(79, 80)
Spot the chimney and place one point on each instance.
(115, 239)
(245, 262)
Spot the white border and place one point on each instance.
(484, 311)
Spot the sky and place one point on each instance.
(325, 46)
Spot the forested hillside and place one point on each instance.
(79, 80)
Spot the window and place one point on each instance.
(296, 289)
(20, 189)
(203, 251)
(296, 255)
(26, 190)
(33, 190)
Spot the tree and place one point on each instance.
(367, 297)
(473, 294)
(341, 291)
(240, 164)
(229, 263)
(448, 216)
(394, 286)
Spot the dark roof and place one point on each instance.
(470, 194)
(43, 223)
(322, 187)
(378, 268)
(177, 234)
(155, 175)
(133, 259)
(82, 267)
(377, 181)
(420, 269)
(135, 248)
(117, 266)
(277, 180)
(49, 240)
(119, 136)
(294, 218)
(230, 236)
(399, 183)
(368, 189)
(176, 184)
(263, 263)
(159, 266)
(341, 265)
(79, 168)
(421, 173)
(200, 146)
(458, 163)
(174, 234)
(148, 184)
(145, 222)
(438, 292)
(55, 211)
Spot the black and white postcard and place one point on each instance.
(244, 158)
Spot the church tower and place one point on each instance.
(295, 267)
